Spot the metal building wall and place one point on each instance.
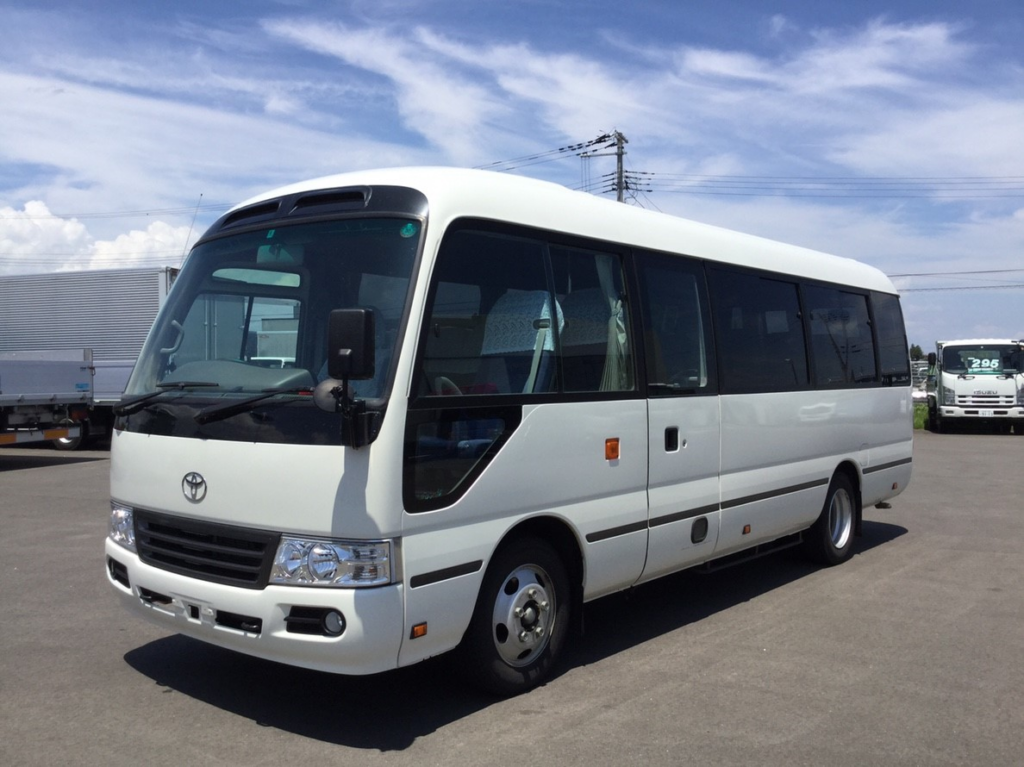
(109, 311)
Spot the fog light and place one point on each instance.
(333, 623)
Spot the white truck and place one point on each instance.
(108, 311)
(44, 395)
(977, 380)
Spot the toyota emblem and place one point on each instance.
(194, 487)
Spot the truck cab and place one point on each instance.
(977, 381)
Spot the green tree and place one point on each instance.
(915, 352)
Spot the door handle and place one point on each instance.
(671, 439)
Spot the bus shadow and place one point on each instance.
(18, 461)
(416, 701)
(678, 600)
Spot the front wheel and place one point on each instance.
(520, 621)
(829, 541)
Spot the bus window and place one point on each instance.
(893, 354)
(495, 326)
(760, 333)
(841, 342)
(677, 325)
(492, 322)
(595, 354)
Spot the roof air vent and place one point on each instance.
(333, 198)
(254, 211)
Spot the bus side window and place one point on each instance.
(595, 353)
(492, 323)
(893, 352)
(760, 333)
(677, 326)
(841, 343)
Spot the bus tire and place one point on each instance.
(829, 541)
(521, 619)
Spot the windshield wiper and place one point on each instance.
(220, 412)
(135, 404)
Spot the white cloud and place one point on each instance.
(240, 105)
(438, 103)
(979, 137)
(33, 240)
(159, 242)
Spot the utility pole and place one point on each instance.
(620, 151)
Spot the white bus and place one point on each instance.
(500, 400)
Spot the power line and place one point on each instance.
(932, 187)
(117, 214)
(552, 154)
(969, 287)
(956, 274)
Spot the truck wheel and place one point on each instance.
(829, 541)
(72, 443)
(520, 621)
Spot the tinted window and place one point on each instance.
(759, 331)
(677, 326)
(594, 353)
(893, 354)
(493, 319)
(842, 348)
(515, 315)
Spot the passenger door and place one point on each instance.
(683, 415)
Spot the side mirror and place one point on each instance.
(350, 352)
(350, 356)
(931, 359)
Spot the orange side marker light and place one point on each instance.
(611, 449)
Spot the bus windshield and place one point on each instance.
(981, 359)
(249, 312)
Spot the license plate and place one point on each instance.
(986, 413)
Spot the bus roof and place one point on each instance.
(458, 192)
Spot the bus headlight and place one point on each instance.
(122, 525)
(343, 564)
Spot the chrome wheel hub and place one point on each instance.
(523, 616)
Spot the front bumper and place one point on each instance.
(982, 412)
(253, 621)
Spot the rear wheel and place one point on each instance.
(520, 621)
(72, 443)
(829, 541)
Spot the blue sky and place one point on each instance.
(888, 132)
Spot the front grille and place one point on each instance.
(220, 553)
(985, 400)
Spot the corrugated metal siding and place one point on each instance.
(109, 311)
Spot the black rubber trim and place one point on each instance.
(681, 515)
(615, 532)
(773, 493)
(425, 579)
(890, 465)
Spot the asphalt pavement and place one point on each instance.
(912, 653)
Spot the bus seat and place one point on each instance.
(518, 343)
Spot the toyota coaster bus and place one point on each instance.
(488, 401)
